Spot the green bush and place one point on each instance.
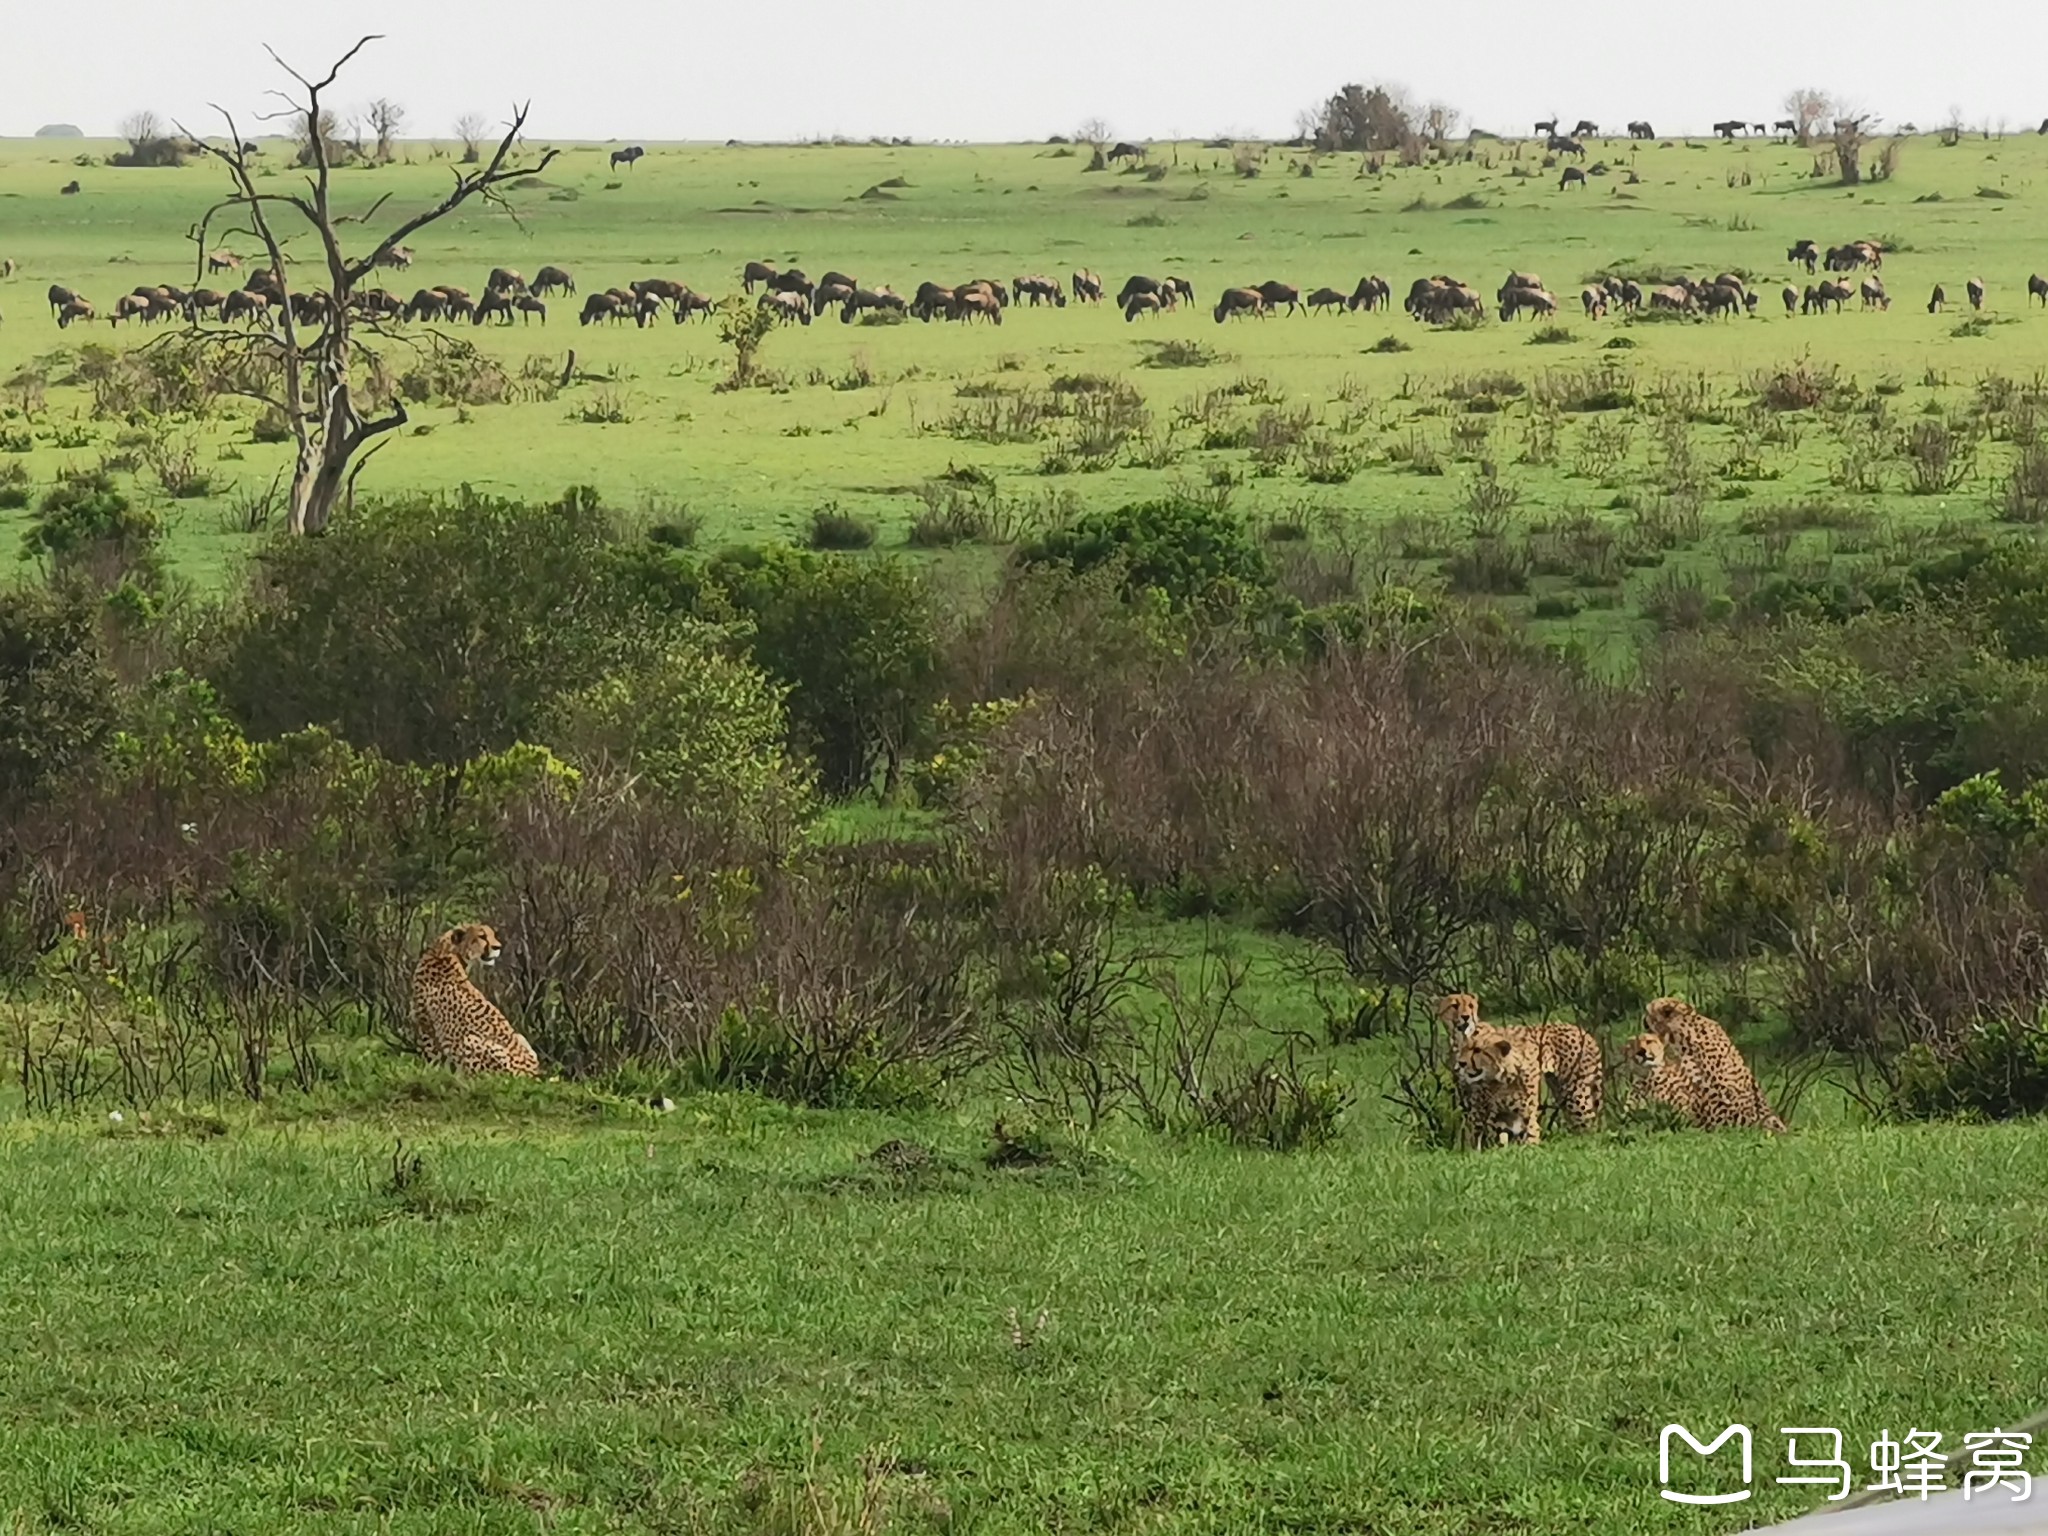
(85, 526)
(833, 529)
(1999, 1073)
(56, 692)
(1192, 552)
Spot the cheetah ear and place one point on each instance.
(1501, 1048)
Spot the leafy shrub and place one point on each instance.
(85, 526)
(833, 529)
(1189, 551)
(56, 691)
(1998, 1073)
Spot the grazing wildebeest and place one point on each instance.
(375, 303)
(1791, 299)
(455, 302)
(399, 256)
(223, 261)
(1277, 293)
(1328, 299)
(973, 301)
(599, 306)
(1136, 284)
(74, 309)
(1673, 297)
(1631, 294)
(529, 306)
(1805, 251)
(1040, 290)
(1239, 301)
(1535, 301)
(1558, 145)
(627, 156)
(1181, 290)
(647, 307)
(245, 304)
(1517, 280)
(1720, 299)
(504, 280)
(839, 278)
(830, 293)
(1372, 293)
(1785, 125)
(1832, 292)
(756, 272)
(1549, 129)
(689, 302)
(1572, 177)
(496, 301)
(553, 280)
(69, 189)
(60, 296)
(864, 299)
(792, 281)
(204, 301)
(1594, 300)
(1586, 128)
(2037, 288)
(1146, 302)
(1936, 299)
(1873, 294)
(130, 306)
(1731, 127)
(1641, 130)
(931, 299)
(1087, 287)
(1975, 288)
(1126, 151)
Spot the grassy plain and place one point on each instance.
(580, 1315)
(868, 415)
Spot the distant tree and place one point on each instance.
(470, 129)
(1852, 133)
(148, 143)
(1367, 120)
(1809, 109)
(386, 118)
(304, 367)
(333, 148)
(1440, 122)
(1094, 131)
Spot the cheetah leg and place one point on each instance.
(521, 1059)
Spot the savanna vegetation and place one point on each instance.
(981, 819)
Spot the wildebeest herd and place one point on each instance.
(791, 295)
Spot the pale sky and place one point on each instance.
(941, 69)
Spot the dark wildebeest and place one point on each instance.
(865, 299)
(1631, 294)
(792, 281)
(1563, 146)
(1975, 288)
(426, 304)
(1135, 285)
(1087, 287)
(931, 299)
(999, 291)
(75, 309)
(496, 301)
(599, 306)
(1276, 294)
(978, 300)
(69, 189)
(830, 293)
(1721, 299)
(245, 304)
(627, 156)
(504, 280)
(1572, 177)
(1372, 293)
(455, 301)
(1785, 125)
(1732, 127)
(1328, 299)
(60, 296)
(1040, 290)
(223, 261)
(2037, 288)
(529, 306)
(1549, 129)
(1595, 302)
(130, 306)
(399, 256)
(1641, 130)
(756, 272)
(1239, 301)
(1126, 151)
(553, 280)
(1586, 128)
(1145, 302)
(375, 303)
(1873, 294)
(1673, 298)
(1936, 299)
(1832, 292)
(204, 301)
(1535, 301)
(689, 302)
(1791, 296)
(1805, 251)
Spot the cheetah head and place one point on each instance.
(475, 941)
(1647, 1053)
(1459, 1012)
(1665, 1012)
(1483, 1058)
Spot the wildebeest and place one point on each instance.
(1732, 127)
(1040, 290)
(2037, 288)
(73, 309)
(1594, 301)
(1721, 299)
(552, 280)
(204, 301)
(1631, 294)
(1873, 294)
(504, 280)
(1328, 299)
(1791, 296)
(791, 281)
(376, 303)
(688, 302)
(1935, 300)
(1277, 293)
(223, 261)
(1125, 150)
(398, 256)
(828, 292)
(756, 272)
(1586, 128)
(931, 299)
(1857, 253)
(1535, 301)
(529, 306)
(496, 301)
(69, 189)
(1805, 251)
(130, 306)
(1830, 292)
(1559, 145)
(60, 296)
(866, 299)
(1547, 130)
(836, 278)
(1672, 297)
(245, 304)
(1239, 301)
(1785, 125)
(627, 157)
(1641, 130)
(599, 306)
(1975, 289)
(1146, 302)
(1135, 285)
(976, 300)
(1087, 287)
(1372, 293)
(1572, 177)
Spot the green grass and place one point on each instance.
(760, 462)
(622, 1323)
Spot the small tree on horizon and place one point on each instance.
(303, 368)
(386, 118)
(1809, 109)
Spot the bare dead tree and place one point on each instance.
(1808, 108)
(470, 129)
(302, 366)
(386, 118)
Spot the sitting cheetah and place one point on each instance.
(455, 1024)
(1686, 1060)
(1564, 1053)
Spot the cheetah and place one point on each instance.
(1686, 1060)
(1564, 1053)
(456, 1024)
(1499, 1091)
